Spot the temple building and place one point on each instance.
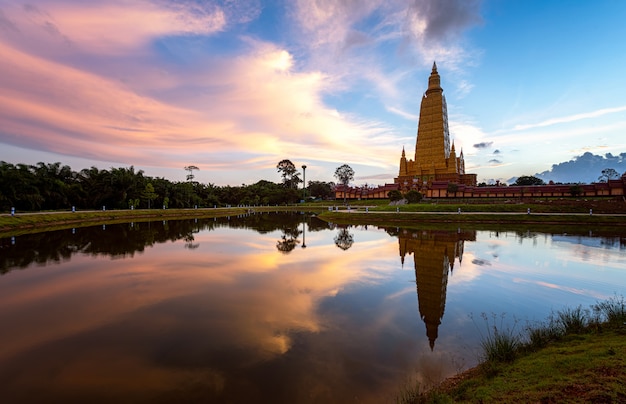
(435, 156)
(436, 171)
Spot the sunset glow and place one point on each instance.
(235, 87)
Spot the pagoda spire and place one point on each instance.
(403, 154)
(434, 81)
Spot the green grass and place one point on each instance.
(404, 218)
(37, 222)
(502, 216)
(577, 356)
(612, 311)
(499, 344)
(584, 368)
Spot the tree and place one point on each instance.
(575, 190)
(149, 193)
(289, 173)
(190, 176)
(529, 180)
(394, 195)
(607, 174)
(413, 196)
(344, 174)
(452, 188)
(321, 189)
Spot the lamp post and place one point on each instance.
(303, 182)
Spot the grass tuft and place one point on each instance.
(499, 344)
(573, 320)
(561, 360)
(612, 311)
(541, 334)
(410, 393)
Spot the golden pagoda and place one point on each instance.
(435, 157)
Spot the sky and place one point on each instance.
(233, 87)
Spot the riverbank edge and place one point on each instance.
(36, 222)
(605, 225)
(531, 378)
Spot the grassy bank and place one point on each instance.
(596, 213)
(570, 223)
(492, 215)
(576, 356)
(24, 223)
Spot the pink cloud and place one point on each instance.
(80, 79)
(112, 27)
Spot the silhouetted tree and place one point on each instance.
(344, 174)
(289, 173)
(529, 180)
(190, 176)
(608, 174)
(344, 239)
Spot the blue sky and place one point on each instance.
(234, 87)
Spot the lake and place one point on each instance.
(279, 308)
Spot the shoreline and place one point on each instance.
(33, 222)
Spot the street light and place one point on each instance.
(303, 182)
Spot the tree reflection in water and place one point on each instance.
(126, 239)
(288, 241)
(189, 241)
(344, 239)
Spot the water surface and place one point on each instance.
(273, 308)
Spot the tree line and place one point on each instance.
(53, 186)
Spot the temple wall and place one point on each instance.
(439, 189)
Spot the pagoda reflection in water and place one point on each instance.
(434, 254)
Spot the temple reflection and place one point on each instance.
(434, 254)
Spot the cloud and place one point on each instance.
(441, 21)
(585, 168)
(236, 104)
(407, 115)
(6, 24)
(149, 82)
(481, 262)
(436, 26)
(113, 27)
(482, 145)
(377, 176)
(572, 118)
(362, 33)
(331, 21)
